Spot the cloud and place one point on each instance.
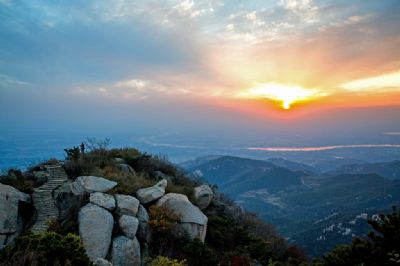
(6, 81)
(305, 8)
(392, 133)
(387, 81)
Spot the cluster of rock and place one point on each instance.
(114, 228)
(96, 220)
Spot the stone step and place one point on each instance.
(42, 197)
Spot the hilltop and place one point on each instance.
(125, 207)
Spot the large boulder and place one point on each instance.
(103, 200)
(89, 184)
(127, 205)
(128, 225)
(95, 228)
(146, 195)
(125, 252)
(192, 223)
(67, 202)
(11, 225)
(203, 195)
(9, 201)
(144, 232)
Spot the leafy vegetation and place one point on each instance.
(16, 179)
(47, 249)
(165, 261)
(382, 247)
(162, 219)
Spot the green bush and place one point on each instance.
(45, 249)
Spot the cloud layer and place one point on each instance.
(205, 49)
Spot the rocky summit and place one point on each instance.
(129, 209)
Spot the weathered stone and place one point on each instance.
(203, 195)
(160, 175)
(103, 200)
(127, 205)
(67, 201)
(146, 195)
(193, 222)
(144, 232)
(123, 167)
(102, 262)
(89, 184)
(119, 160)
(9, 199)
(128, 225)
(95, 228)
(125, 252)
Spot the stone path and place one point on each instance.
(43, 198)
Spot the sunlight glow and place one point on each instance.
(389, 80)
(285, 94)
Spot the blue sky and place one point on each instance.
(145, 65)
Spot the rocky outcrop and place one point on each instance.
(103, 200)
(203, 196)
(146, 195)
(127, 205)
(9, 204)
(128, 225)
(43, 200)
(125, 252)
(192, 223)
(95, 228)
(89, 184)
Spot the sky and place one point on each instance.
(328, 70)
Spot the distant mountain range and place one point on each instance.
(306, 204)
(389, 170)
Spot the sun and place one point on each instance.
(285, 94)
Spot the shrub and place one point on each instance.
(162, 223)
(78, 167)
(162, 219)
(45, 249)
(73, 153)
(127, 183)
(16, 179)
(165, 261)
(198, 254)
(64, 228)
(125, 153)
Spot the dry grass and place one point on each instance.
(127, 183)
